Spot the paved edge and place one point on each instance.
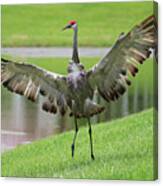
(53, 52)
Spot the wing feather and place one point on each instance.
(110, 75)
(30, 80)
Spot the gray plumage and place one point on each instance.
(75, 91)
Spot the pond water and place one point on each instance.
(24, 121)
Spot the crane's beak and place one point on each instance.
(66, 27)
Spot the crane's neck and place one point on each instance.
(75, 57)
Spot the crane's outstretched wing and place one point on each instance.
(29, 80)
(110, 75)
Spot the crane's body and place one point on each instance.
(75, 91)
(80, 92)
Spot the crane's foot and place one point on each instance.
(72, 149)
(92, 156)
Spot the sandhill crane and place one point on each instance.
(75, 91)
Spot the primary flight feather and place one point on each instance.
(75, 91)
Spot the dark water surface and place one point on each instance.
(24, 121)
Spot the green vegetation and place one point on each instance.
(99, 23)
(123, 150)
(59, 65)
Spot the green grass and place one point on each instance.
(123, 149)
(59, 65)
(99, 23)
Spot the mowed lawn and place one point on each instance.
(99, 23)
(124, 149)
(59, 65)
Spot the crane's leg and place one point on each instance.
(91, 142)
(74, 139)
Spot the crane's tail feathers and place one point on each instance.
(90, 109)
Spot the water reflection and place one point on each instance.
(24, 121)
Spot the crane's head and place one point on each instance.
(71, 24)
